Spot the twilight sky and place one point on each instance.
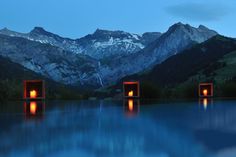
(76, 18)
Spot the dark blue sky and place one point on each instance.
(76, 18)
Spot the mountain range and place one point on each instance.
(179, 76)
(99, 59)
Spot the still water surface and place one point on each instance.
(202, 128)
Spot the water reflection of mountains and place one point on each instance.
(100, 128)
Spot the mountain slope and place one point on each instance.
(221, 72)
(178, 68)
(52, 62)
(179, 76)
(174, 41)
(11, 82)
(38, 34)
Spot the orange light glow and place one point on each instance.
(33, 108)
(131, 93)
(205, 103)
(205, 92)
(33, 94)
(131, 105)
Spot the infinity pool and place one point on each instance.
(201, 128)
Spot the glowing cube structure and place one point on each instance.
(205, 90)
(34, 89)
(131, 89)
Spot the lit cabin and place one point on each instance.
(205, 90)
(131, 89)
(34, 89)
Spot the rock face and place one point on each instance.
(178, 38)
(109, 44)
(99, 45)
(98, 59)
(202, 62)
(50, 61)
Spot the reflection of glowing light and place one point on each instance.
(33, 108)
(205, 92)
(205, 103)
(131, 105)
(33, 94)
(131, 93)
